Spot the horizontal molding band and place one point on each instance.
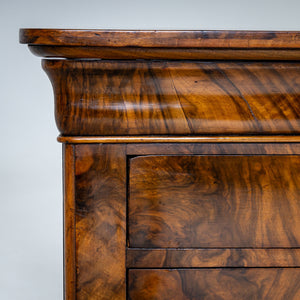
(210, 258)
(175, 98)
(177, 139)
(80, 52)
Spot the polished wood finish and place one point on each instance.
(69, 223)
(100, 212)
(213, 149)
(161, 38)
(211, 258)
(214, 201)
(175, 98)
(90, 52)
(181, 162)
(177, 139)
(229, 284)
(160, 44)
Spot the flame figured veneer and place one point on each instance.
(181, 161)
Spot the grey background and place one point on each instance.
(30, 158)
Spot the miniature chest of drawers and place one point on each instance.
(181, 161)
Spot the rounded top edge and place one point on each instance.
(223, 39)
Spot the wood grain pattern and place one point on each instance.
(88, 52)
(175, 98)
(100, 221)
(181, 162)
(178, 148)
(161, 38)
(178, 139)
(214, 201)
(160, 44)
(227, 284)
(211, 258)
(69, 223)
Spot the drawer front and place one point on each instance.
(214, 201)
(186, 284)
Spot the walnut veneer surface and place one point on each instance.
(181, 161)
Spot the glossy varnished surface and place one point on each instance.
(211, 258)
(100, 221)
(178, 139)
(214, 201)
(159, 44)
(162, 38)
(213, 148)
(181, 162)
(175, 98)
(69, 223)
(221, 284)
(90, 52)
